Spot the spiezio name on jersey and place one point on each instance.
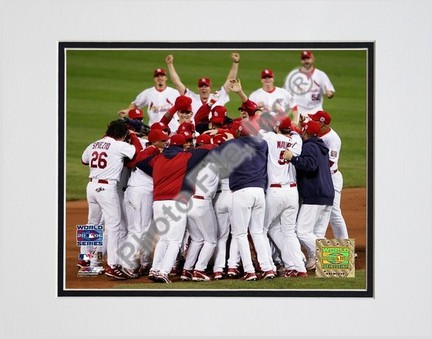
(101, 145)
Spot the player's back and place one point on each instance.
(105, 158)
(278, 170)
(252, 171)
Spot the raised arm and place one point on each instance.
(235, 86)
(235, 58)
(174, 76)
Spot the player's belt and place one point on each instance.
(198, 197)
(219, 191)
(99, 181)
(334, 171)
(280, 186)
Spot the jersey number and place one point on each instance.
(316, 97)
(281, 160)
(98, 160)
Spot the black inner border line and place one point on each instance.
(369, 46)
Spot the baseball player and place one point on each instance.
(308, 85)
(222, 203)
(214, 117)
(333, 143)
(105, 158)
(201, 219)
(182, 109)
(270, 98)
(247, 180)
(315, 189)
(172, 191)
(204, 94)
(158, 99)
(138, 201)
(282, 200)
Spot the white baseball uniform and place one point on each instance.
(105, 158)
(222, 96)
(223, 208)
(337, 221)
(201, 219)
(138, 203)
(158, 103)
(308, 90)
(269, 100)
(282, 200)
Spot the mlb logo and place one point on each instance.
(85, 256)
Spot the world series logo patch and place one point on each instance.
(335, 258)
(89, 235)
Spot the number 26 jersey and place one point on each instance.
(105, 158)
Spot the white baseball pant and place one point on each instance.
(248, 213)
(202, 226)
(138, 203)
(281, 212)
(103, 200)
(170, 218)
(95, 219)
(337, 221)
(223, 210)
(312, 220)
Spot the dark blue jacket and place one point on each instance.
(314, 180)
(246, 159)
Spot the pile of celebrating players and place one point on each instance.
(193, 191)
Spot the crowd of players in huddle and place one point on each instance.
(201, 195)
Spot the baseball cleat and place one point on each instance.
(217, 275)
(233, 272)
(174, 272)
(132, 274)
(162, 278)
(115, 272)
(268, 275)
(310, 265)
(186, 275)
(249, 277)
(152, 274)
(200, 276)
(294, 274)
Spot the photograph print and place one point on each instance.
(216, 169)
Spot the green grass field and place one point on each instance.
(305, 283)
(101, 82)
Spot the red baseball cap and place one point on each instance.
(250, 107)
(187, 135)
(156, 135)
(321, 116)
(186, 127)
(203, 139)
(159, 125)
(177, 140)
(267, 73)
(311, 127)
(204, 82)
(159, 71)
(285, 123)
(306, 55)
(218, 115)
(235, 127)
(218, 139)
(135, 113)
